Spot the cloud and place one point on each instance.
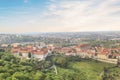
(65, 16)
(84, 14)
(53, 0)
(26, 1)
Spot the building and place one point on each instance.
(34, 52)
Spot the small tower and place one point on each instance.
(118, 61)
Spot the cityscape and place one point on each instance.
(51, 51)
(59, 39)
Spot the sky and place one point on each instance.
(59, 15)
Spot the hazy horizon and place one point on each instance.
(34, 16)
(54, 32)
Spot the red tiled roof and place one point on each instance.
(84, 45)
(116, 54)
(14, 52)
(29, 49)
(39, 52)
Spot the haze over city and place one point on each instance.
(59, 15)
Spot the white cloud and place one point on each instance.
(53, 0)
(26, 1)
(67, 15)
(83, 15)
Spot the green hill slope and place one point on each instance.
(68, 68)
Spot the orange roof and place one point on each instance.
(84, 45)
(28, 49)
(14, 52)
(29, 46)
(39, 52)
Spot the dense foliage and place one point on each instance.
(68, 68)
(112, 73)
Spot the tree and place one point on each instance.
(29, 55)
(61, 61)
(1, 54)
(7, 57)
(20, 54)
(118, 62)
(3, 76)
(2, 50)
(39, 76)
(20, 76)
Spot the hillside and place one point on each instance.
(83, 70)
(68, 68)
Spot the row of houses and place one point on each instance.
(30, 52)
(86, 50)
(83, 50)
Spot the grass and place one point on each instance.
(90, 69)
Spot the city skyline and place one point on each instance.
(17, 16)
